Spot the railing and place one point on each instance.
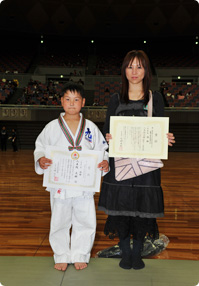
(29, 121)
(33, 112)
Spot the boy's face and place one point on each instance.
(72, 102)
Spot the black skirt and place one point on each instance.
(132, 205)
(141, 196)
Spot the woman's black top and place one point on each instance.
(141, 196)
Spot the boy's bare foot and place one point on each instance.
(61, 266)
(80, 265)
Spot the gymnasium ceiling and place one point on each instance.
(101, 18)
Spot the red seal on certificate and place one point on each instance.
(75, 155)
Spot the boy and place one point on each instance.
(71, 208)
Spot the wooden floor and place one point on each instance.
(25, 209)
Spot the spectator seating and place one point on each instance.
(15, 61)
(37, 93)
(175, 60)
(68, 59)
(104, 90)
(190, 96)
(109, 64)
(7, 89)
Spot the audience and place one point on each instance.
(182, 95)
(38, 93)
(7, 89)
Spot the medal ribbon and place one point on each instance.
(68, 135)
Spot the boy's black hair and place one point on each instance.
(73, 86)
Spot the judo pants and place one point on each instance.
(72, 245)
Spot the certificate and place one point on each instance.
(139, 137)
(73, 170)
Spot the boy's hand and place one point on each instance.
(108, 137)
(171, 139)
(44, 162)
(104, 166)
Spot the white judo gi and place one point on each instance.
(70, 208)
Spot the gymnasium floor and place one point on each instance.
(25, 254)
(38, 271)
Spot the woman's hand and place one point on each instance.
(44, 162)
(108, 137)
(171, 139)
(104, 166)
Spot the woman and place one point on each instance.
(133, 205)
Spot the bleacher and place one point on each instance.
(180, 59)
(189, 97)
(7, 89)
(103, 91)
(37, 93)
(15, 61)
(108, 64)
(63, 58)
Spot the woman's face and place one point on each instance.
(135, 72)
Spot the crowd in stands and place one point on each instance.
(17, 61)
(181, 95)
(37, 93)
(173, 95)
(110, 64)
(7, 89)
